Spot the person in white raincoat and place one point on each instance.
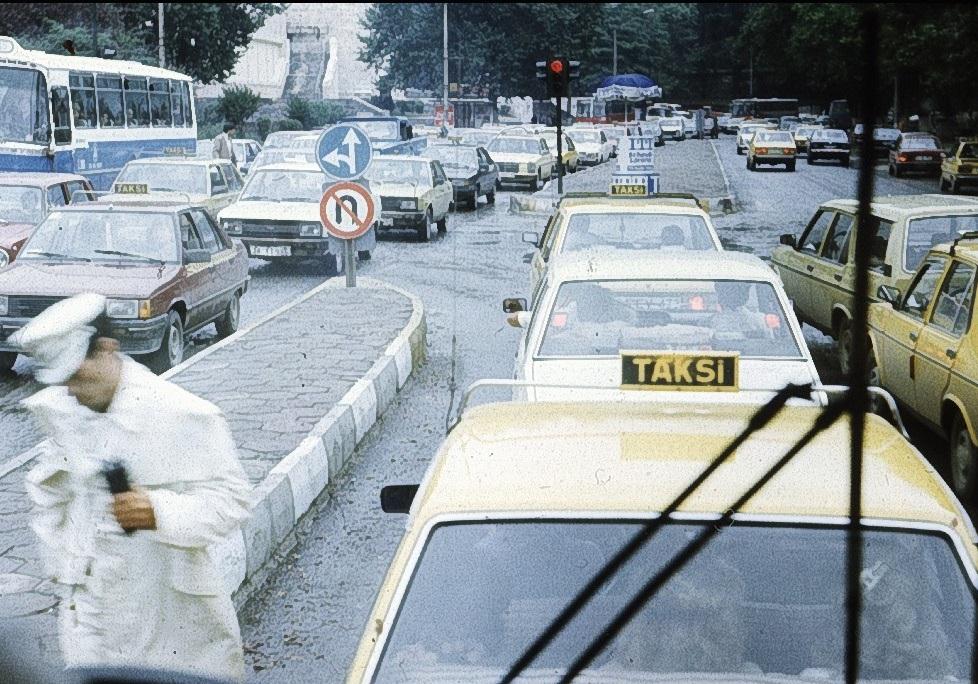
(153, 597)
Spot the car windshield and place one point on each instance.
(273, 185)
(774, 137)
(805, 131)
(379, 129)
(277, 155)
(584, 136)
(515, 146)
(88, 235)
(453, 157)
(281, 139)
(665, 232)
(920, 143)
(481, 138)
(600, 318)
(924, 233)
(21, 204)
(399, 171)
(886, 133)
(759, 599)
(188, 178)
(832, 134)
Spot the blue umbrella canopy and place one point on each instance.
(628, 81)
(628, 87)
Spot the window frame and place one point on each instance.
(212, 189)
(205, 226)
(108, 89)
(921, 272)
(843, 257)
(80, 76)
(136, 94)
(969, 290)
(811, 226)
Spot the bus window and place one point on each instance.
(109, 96)
(62, 119)
(83, 99)
(159, 100)
(176, 103)
(185, 98)
(23, 106)
(137, 101)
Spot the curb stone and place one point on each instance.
(291, 487)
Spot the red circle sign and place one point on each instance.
(346, 210)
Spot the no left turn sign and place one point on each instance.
(346, 210)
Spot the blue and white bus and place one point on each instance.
(87, 115)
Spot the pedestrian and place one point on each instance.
(141, 587)
(223, 149)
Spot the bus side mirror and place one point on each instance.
(397, 498)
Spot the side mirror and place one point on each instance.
(888, 294)
(196, 256)
(397, 498)
(788, 239)
(531, 238)
(886, 270)
(514, 304)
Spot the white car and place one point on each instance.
(277, 217)
(746, 132)
(593, 146)
(689, 123)
(710, 326)
(672, 128)
(522, 159)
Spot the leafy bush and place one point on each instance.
(237, 103)
(208, 131)
(289, 125)
(314, 114)
(299, 109)
(264, 128)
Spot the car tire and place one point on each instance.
(363, 255)
(499, 185)
(843, 340)
(443, 224)
(891, 170)
(171, 349)
(491, 197)
(876, 405)
(535, 185)
(809, 160)
(424, 230)
(847, 162)
(7, 361)
(739, 151)
(964, 460)
(790, 166)
(228, 323)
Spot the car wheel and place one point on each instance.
(499, 185)
(535, 185)
(790, 166)
(847, 162)
(964, 469)
(7, 361)
(170, 352)
(843, 337)
(809, 160)
(891, 170)
(228, 323)
(363, 255)
(876, 404)
(739, 151)
(424, 230)
(491, 197)
(443, 224)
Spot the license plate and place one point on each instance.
(276, 251)
(670, 371)
(925, 159)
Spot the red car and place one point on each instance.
(27, 198)
(920, 152)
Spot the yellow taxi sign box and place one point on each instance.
(634, 185)
(671, 371)
(131, 188)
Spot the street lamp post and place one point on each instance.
(159, 12)
(444, 97)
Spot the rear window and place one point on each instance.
(924, 233)
(660, 232)
(922, 143)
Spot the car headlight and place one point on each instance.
(233, 227)
(408, 204)
(127, 308)
(531, 167)
(310, 230)
(3, 304)
(4, 258)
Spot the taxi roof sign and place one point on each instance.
(131, 188)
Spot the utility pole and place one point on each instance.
(614, 49)
(444, 99)
(896, 100)
(750, 82)
(159, 12)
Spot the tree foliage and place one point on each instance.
(202, 40)
(237, 103)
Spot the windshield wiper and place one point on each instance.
(56, 255)
(257, 198)
(296, 199)
(113, 252)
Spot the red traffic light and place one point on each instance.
(556, 66)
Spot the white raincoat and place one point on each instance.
(152, 598)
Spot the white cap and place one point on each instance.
(58, 338)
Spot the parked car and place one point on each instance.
(415, 193)
(168, 270)
(829, 143)
(27, 198)
(916, 152)
(471, 171)
(961, 168)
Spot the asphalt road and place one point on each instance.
(305, 622)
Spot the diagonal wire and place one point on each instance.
(761, 418)
(648, 591)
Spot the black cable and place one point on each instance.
(761, 418)
(648, 591)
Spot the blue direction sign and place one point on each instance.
(343, 152)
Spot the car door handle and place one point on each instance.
(951, 354)
(810, 268)
(913, 337)
(838, 277)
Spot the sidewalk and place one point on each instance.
(300, 389)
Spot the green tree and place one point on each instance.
(237, 103)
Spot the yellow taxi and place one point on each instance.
(708, 327)
(586, 221)
(524, 504)
(771, 147)
(523, 159)
(960, 170)
(211, 183)
(925, 352)
(569, 154)
(817, 268)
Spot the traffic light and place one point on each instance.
(558, 77)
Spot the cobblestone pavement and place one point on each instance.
(273, 384)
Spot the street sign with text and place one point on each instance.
(344, 152)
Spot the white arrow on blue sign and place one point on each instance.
(343, 152)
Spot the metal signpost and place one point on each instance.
(346, 209)
(347, 212)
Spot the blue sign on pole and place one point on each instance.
(343, 152)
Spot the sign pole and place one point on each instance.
(350, 263)
(560, 146)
